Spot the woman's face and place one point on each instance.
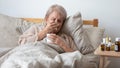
(56, 18)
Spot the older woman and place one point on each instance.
(35, 52)
(54, 20)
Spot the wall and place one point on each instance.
(107, 11)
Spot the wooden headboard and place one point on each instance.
(93, 22)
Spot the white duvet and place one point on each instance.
(42, 55)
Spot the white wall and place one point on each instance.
(107, 11)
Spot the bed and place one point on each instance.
(16, 56)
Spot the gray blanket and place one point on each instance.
(42, 55)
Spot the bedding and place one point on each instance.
(95, 35)
(43, 55)
(8, 34)
(77, 33)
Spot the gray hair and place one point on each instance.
(57, 8)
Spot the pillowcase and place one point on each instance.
(8, 34)
(95, 35)
(73, 26)
(23, 26)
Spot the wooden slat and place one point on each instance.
(93, 22)
(36, 20)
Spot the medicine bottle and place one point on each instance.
(108, 46)
(102, 46)
(117, 45)
(112, 47)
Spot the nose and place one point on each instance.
(55, 20)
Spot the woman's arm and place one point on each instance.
(30, 35)
(42, 34)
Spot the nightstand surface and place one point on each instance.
(106, 53)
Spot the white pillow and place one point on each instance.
(73, 26)
(8, 34)
(23, 26)
(95, 35)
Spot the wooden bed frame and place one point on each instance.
(93, 22)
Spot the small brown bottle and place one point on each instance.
(108, 46)
(117, 45)
(102, 47)
(103, 44)
(112, 47)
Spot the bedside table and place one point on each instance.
(104, 54)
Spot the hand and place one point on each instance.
(51, 27)
(58, 40)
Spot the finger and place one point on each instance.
(52, 36)
(54, 27)
(52, 24)
(51, 27)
